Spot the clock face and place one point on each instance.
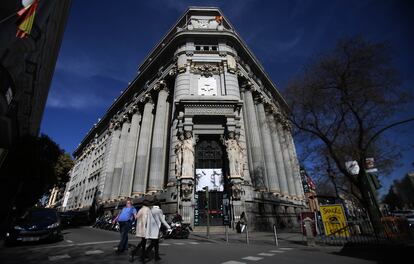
(207, 86)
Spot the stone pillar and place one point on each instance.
(142, 156)
(111, 162)
(280, 166)
(131, 146)
(273, 181)
(116, 179)
(286, 156)
(158, 146)
(254, 139)
(295, 165)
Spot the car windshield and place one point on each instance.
(36, 215)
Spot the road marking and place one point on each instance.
(286, 248)
(233, 262)
(165, 244)
(252, 258)
(193, 243)
(83, 244)
(266, 254)
(93, 252)
(277, 251)
(57, 257)
(180, 244)
(69, 241)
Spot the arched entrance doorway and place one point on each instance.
(210, 165)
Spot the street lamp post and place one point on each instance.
(208, 211)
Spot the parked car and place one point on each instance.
(38, 224)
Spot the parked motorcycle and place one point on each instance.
(179, 231)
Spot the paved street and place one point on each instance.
(87, 245)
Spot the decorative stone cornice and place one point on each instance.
(209, 109)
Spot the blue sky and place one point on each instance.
(105, 42)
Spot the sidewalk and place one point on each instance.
(266, 238)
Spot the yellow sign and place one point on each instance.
(334, 220)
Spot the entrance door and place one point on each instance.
(210, 163)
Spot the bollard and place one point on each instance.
(247, 235)
(227, 234)
(274, 231)
(310, 239)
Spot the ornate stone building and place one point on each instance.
(200, 113)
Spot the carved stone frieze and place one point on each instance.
(206, 70)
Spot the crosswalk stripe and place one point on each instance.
(57, 257)
(69, 241)
(193, 243)
(266, 254)
(93, 252)
(285, 248)
(277, 251)
(165, 244)
(233, 262)
(179, 243)
(252, 258)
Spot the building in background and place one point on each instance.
(201, 114)
(26, 68)
(309, 189)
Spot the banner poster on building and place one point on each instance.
(334, 220)
(211, 178)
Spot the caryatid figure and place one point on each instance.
(178, 150)
(188, 156)
(235, 156)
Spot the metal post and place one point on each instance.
(227, 234)
(274, 231)
(247, 235)
(208, 211)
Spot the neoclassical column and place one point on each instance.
(280, 166)
(286, 156)
(158, 146)
(295, 165)
(131, 146)
(255, 144)
(142, 156)
(111, 161)
(116, 179)
(273, 181)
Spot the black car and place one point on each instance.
(37, 224)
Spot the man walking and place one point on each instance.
(124, 219)
(155, 218)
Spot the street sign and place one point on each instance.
(334, 220)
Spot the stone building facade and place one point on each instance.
(200, 113)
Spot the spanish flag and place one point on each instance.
(25, 19)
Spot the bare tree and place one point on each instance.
(341, 106)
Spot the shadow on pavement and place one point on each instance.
(382, 254)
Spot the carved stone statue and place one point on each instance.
(188, 156)
(187, 190)
(235, 156)
(236, 190)
(178, 150)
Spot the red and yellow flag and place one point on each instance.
(25, 19)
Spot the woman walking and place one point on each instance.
(155, 219)
(141, 229)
